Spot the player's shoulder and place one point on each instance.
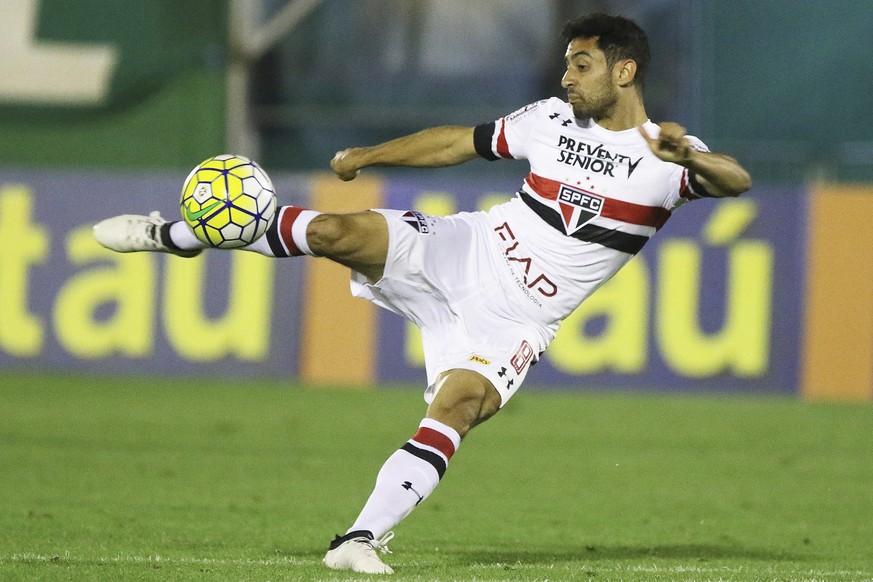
(548, 106)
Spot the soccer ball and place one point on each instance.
(228, 201)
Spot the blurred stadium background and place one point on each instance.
(631, 462)
(104, 106)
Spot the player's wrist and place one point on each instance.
(689, 158)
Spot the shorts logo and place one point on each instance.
(522, 357)
(416, 220)
(578, 208)
(480, 360)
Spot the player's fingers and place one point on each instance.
(671, 129)
(339, 165)
(336, 161)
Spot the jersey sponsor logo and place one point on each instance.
(517, 259)
(416, 220)
(593, 158)
(578, 207)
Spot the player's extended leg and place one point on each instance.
(358, 241)
(464, 399)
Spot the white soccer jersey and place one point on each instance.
(489, 289)
(604, 192)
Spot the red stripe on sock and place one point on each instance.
(437, 440)
(289, 215)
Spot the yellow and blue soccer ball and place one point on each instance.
(228, 201)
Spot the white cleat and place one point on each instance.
(130, 233)
(356, 551)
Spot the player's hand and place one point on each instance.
(343, 167)
(671, 145)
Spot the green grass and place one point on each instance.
(170, 479)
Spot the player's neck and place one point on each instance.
(628, 113)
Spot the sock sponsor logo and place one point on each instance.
(408, 486)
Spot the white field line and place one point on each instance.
(804, 575)
(157, 559)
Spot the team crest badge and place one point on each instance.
(416, 220)
(578, 208)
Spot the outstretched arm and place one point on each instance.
(436, 147)
(719, 174)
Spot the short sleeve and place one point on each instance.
(507, 137)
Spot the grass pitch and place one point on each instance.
(105, 479)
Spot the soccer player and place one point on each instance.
(489, 289)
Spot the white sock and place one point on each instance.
(286, 237)
(183, 237)
(408, 477)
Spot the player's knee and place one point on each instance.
(464, 400)
(325, 233)
(343, 235)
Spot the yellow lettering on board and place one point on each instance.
(623, 302)
(244, 328)
(492, 198)
(24, 244)
(742, 345)
(128, 286)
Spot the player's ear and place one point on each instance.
(625, 72)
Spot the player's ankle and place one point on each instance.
(177, 235)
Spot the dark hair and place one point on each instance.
(618, 38)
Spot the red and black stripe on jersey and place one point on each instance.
(614, 209)
(613, 239)
(620, 210)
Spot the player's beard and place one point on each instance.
(598, 102)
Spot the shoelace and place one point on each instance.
(382, 543)
(151, 233)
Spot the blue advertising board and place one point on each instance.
(67, 303)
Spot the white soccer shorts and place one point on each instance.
(447, 275)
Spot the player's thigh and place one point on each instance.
(358, 241)
(463, 399)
